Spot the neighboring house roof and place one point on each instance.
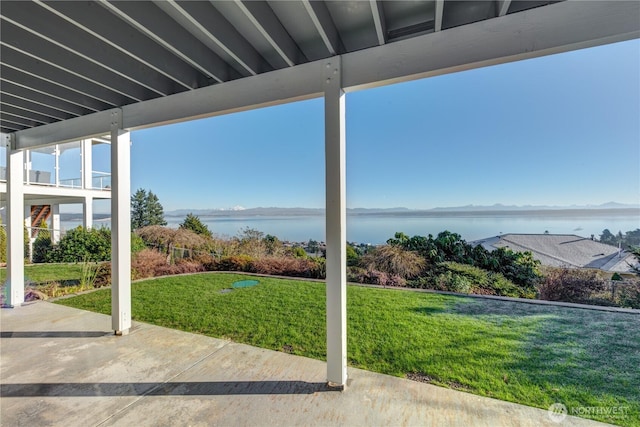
(563, 250)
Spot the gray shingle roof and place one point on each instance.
(563, 250)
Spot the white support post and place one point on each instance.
(56, 152)
(87, 163)
(87, 212)
(120, 227)
(336, 215)
(55, 223)
(27, 166)
(15, 226)
(29, 225)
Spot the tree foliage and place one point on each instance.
(146, 210)
(80, 244)
(629, 239)
(193, 223)
(518, 267)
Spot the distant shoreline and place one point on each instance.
(295, 212)
(509, 213)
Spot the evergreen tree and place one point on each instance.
(193, 223)
(146, 209)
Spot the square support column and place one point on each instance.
(120, 229)
(55, 223)
(15, 226)
(336, 221)
(87, 212)
(87, 163)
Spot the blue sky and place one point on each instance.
(558, 130)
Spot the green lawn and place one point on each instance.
(39, 273)
(531, 354)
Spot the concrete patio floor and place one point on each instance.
(64, 367)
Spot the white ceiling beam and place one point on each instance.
(12, 127)
(379, 21)
(30, 44)
(268, 24)
(54, 29)
(158, 26)
(31, 95)
(51, 88)
(8, 99)
(503, 7)
(26, 114)
(111, 30)
(439, 11)
(560, 27)
(63, 78)
(21, 121)
(321, 19)
(207, 24)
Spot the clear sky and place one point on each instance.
(558, 130)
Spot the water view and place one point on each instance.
(377, 229)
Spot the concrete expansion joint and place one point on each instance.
(152, 390)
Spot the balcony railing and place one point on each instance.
(99, 180)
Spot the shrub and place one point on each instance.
(80, 245)
(375, 277)
(235, 263)
(168, 240)
(286, 266)
(146, 263)
(180, 267)
(137, 244)
(570, 285)
(42, 247)
(453, 282)
(298, 252)
(352, 256)
(151, 263)
(629, 295)
(103, 275)
(207, 261)
(394, 260)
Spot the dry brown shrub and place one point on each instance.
(570, 285)
(180, 267)
(165, 238)
(395, 261)
(146, 263)
(287, 266)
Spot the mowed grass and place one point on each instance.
(531, 354)
(40, 273)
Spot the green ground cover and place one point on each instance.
(41, 273)
(531, 354)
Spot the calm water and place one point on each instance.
(377, 229)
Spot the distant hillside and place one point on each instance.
(610, 208)
(497, 209)
(501, 207)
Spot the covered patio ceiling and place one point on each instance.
(64, 60)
